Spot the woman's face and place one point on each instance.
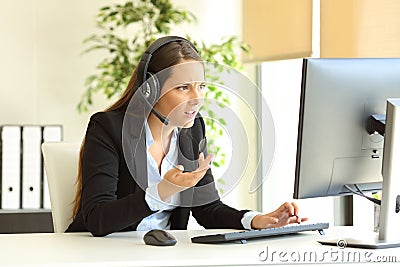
(182, 94)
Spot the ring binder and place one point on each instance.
(31, 166)
(10, 166)
(23, 181)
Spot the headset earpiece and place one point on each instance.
(151, 89)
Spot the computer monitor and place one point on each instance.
(336, 155)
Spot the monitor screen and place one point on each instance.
(334, 148)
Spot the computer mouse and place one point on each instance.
(159, 237)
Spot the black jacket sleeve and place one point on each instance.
(111, 201)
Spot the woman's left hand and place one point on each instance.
(287, 213)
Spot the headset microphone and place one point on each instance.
(159, 116)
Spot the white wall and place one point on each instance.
(281, 89)
(17, 62)
(42, 69)
(216, 19)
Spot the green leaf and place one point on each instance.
(221, 181)
(222, 121)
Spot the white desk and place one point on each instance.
(128, 249)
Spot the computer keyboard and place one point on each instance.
(243, 236)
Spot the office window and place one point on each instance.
(360, 28)
(277, 29)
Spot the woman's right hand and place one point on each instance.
(175, 180)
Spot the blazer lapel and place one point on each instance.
(186, 155)
(187, 158)
(134, 146)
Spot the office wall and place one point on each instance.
(283, 97)
(42, 68)
(16, 46)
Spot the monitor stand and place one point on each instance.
(360, 243)
(389, 219)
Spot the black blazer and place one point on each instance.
(112, 200)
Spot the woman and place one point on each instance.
(143, 163)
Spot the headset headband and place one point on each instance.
(146, 57)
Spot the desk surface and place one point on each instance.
(128, 249)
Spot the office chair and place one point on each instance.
(61, 164)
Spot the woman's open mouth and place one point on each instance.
(190, 113)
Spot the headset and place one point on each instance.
(147, 82)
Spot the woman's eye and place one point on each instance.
(183, 87)
(202, 87)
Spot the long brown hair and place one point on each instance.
(166, 56)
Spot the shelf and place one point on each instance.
(26, 221)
